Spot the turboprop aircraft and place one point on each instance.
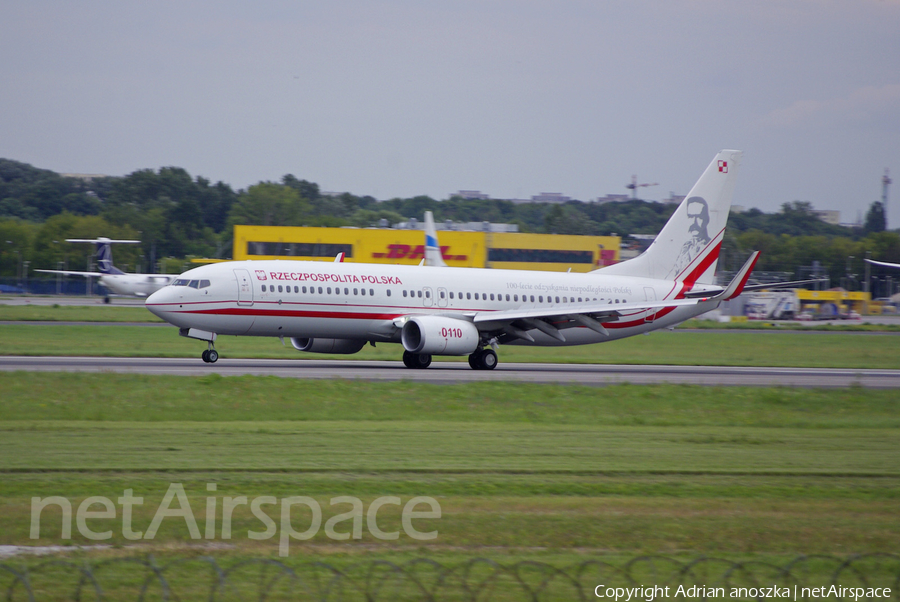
(432, 310)
(115, 280)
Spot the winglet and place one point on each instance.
(433, 254)
(736, 286)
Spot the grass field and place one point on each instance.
(527, 471)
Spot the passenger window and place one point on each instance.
(264, 288)
(476, 296)
(280, 289)
(507, 297)
(420, 294)
(515, 297)
(468, 295)
(442, 294)
(304, 289)
(532, 298)
(329, 290)
(363, 291)
(320, 290)
(347, 291)
(428, 294)
(451, 295)
(557, 299)
(404, 293)
(492, 296)
(540, 299)
(372, 292)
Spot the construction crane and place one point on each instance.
(634, 186)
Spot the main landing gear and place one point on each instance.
(210, 356)
(483, 359)
(416, 360)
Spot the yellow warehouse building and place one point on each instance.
(517, 251)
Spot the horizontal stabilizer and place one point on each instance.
(883, 264)
(70, 273)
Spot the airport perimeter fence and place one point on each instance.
(481, 580)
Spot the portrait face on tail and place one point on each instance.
(698, 214)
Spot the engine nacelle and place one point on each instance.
(437, 335)
(341, 346)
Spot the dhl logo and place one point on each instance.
(397, 251)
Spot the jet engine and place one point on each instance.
(437, 335)
(341, 346)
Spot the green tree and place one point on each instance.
(268, 204)
(875, 219)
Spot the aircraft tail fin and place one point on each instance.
(104, 252)
(687, 248)
(433, 254)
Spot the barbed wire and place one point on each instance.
(476, 580)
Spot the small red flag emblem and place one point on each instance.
(723, 166)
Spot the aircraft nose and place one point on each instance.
(158, 303)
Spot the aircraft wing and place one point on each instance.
(68, 273)
(884, 264)
(550, 320)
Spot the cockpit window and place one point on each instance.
(181, 282)
(204, 283)
(194, 284)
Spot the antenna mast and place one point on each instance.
(885, 182)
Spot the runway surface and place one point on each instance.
(459, 372)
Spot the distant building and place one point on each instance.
(473, 195)
(674, 198)
(828, 216)
(414, 224)
(550, 197)
(612, 198)
(87, 177)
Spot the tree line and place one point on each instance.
(175, 215)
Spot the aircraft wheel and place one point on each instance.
(488, 359)
(416, 360)
(473, 360)
(205, 356)
(212, 356)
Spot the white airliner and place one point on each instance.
(115, 280)
(432, 310)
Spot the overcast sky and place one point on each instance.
(513, 98)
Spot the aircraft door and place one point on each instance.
(442, 298)
(650, 297)
(245, 287)
(427, 297)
